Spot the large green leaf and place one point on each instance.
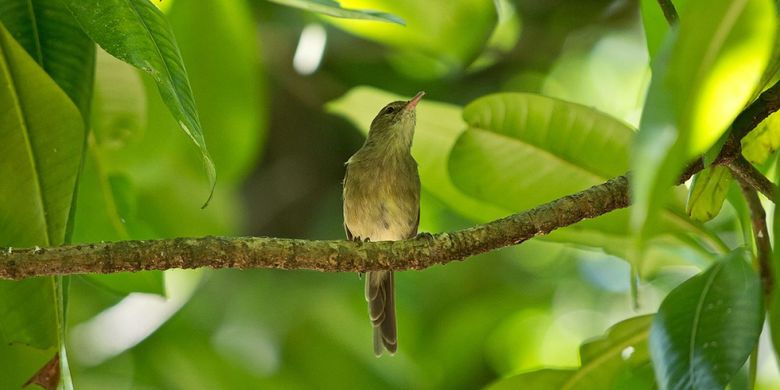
(333, 8)
(556, 148)
(707, 193)
(706, 328)
(438, 126)
(701, 80)
(434, 42)
(54, 39)
(617, 360)
(39, 155)
(136, 32)
(523, 150)
(43, 137)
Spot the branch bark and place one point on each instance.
(751, 177)
(416, 253)
(262, 252)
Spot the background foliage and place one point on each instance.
(533, 100)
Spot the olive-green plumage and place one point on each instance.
(382, 203)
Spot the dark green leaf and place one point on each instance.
(136, 32)
(39, 155)
(707, 192)
(706, 328)
(54, 39)
(702, 79)
(333, 8)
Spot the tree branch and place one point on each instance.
(416, 253)
(262, 252)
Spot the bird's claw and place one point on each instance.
(424, 235)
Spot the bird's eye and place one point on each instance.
(389, 110)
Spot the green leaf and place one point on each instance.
(438, 126)
(617, 360)
(706, 328)
(54, 39)
(434, 42)
(702, 79)
(762, 141)
(333, 8)
(708, 191)
(39, 161)
(523, 150)
(619, 357)
(40, 154)
(541, 379)
(774, 299)
(541, 138)
(136, 32)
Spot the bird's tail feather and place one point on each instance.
(381, 309)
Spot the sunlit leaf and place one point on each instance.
(438, 126)
(136, 32)
(763, 141)
(707, 193)
(701, 80)
(617, 360)
(333, 8)
(523, 150)
(54, 39)
(434, 42)
(706, 327)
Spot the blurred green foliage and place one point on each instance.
(527, 101)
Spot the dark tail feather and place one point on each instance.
(381, 310)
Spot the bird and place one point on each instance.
(381, 202)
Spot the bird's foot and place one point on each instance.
(424, 236)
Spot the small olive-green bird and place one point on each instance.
(382, 203)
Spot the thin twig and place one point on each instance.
(760, 235)
(670, 13)
(746, 173)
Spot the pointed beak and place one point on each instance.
(416, 99)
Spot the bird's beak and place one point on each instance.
(416, 99)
